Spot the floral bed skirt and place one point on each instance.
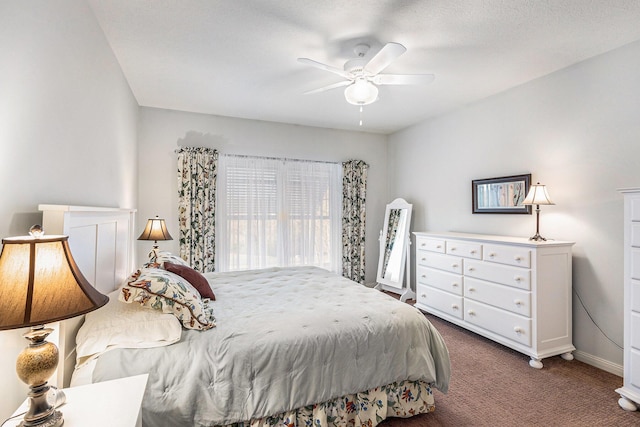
(367, 408)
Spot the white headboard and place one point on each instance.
(101, 242)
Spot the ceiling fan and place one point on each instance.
(363, 77)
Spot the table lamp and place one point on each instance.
(41, 283)
(156, 229)
(537, 196)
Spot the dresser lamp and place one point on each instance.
(537, 196)
(40, 283)
(156, 229)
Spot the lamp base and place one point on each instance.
(154, 253)
(34, 366)
(538, 238)
(53, 420)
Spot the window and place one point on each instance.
(278, 213)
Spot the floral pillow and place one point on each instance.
(160, 257)
(162, 290)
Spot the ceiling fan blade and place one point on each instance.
(403, 79)
(384, 58)
(325, 67)
(325, 88)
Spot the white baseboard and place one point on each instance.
(599, 363)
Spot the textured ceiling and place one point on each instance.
(238, 58)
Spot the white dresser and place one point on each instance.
(630, 391)
(509, 289)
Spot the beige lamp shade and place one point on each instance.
(538, 196)
(156, 229)
(41, 283)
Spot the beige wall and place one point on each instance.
(67, 129)
(577, 131)
(161, 132)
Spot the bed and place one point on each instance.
(285, 339)
(290, 346)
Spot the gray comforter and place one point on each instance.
(285, 338)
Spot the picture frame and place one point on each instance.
(501, 195)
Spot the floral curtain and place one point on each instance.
(354, 191)
(197, 174)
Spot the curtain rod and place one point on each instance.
(280, 158)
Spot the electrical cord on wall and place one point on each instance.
(55, 394)
(594, 322)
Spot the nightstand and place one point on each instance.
(108, 404)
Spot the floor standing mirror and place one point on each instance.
(393, 266)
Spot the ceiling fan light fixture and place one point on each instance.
(361, 92)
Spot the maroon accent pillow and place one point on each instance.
(195, 278)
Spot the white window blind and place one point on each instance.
(278, 213)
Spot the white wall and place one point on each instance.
(161, 132)
(67, 129)
(577, 131)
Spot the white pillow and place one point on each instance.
(121, 325)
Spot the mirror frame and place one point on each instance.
(401, 285)
(521, 209)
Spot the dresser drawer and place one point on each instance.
(433, 245)
(634, 290)
(503, 323)
(634, 268)
(635, 330)
(510, 276)
(442, 262)
(464, 249)
(510, 255)
(439, 300)
(505, 297)
(634, 359)
(439, 279)
(635, 234)
(634, 211)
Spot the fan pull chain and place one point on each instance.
(361, 115)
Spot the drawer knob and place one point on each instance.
(439, 247)
(518, 330)
(472, 289)
(471, 268)
(518, 303)
(473, 252)
(492, 255)
(454, 306)
(424, 276)
(455, 285)
(453, 249)
(423, 245)
(518, 279)
(454, 265)
(424, 259)
(423, 296)
(517, 258)
(471, 313)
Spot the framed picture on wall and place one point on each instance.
(502, 195)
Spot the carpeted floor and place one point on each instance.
(492, 385)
